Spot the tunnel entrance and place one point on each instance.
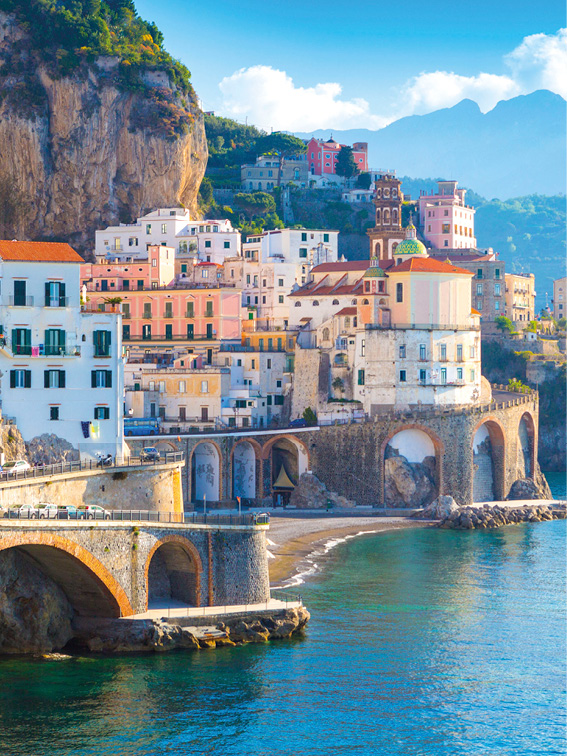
(173, 576)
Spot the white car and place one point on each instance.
(28, 511)
(16, 466)
(94, 512)
(47, 511)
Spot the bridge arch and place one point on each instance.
(489, 460)
(246, 469)
(289, 454)
(90, 588)
(526, 446)
(173, 570)
(415, 452)
(205, 464)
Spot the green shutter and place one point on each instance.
(93, 378)
(61, 295)
(108, 379)
(12, 379)
(61, 379)
(47, 293)
(27, 378)
(46, 379)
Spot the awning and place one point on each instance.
(283, 480)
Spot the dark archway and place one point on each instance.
(526, 447)
(173, 573)
(205, 472)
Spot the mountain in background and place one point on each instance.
(517, 148)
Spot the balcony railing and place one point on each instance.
(147, 316)
(41, 350)
(167, 314)
(57, 302)
(20, 301)
(173, 337)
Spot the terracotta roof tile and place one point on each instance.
(347, 311)
(428, 265)
(340, 266)
(27, 251)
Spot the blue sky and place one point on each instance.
(297, 66)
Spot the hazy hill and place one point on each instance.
(518, 148)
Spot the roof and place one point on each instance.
(347, 311)
(474, 312)
(28, 251)
(429, 265)
(472, 257)
(340, 266)
(410, 247)
(374, 272)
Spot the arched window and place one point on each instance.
(298, 304)
(386, 216)
(378, 193)
(378, 214)
(365, 301)
(394, 193)
(325, 334)
(394, 216)
(386, 192)
(335, 301)
(354, 321)
(315, 303)
(353, 301)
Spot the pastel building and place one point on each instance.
(322, 156)
(209, 240)
(520, 298)
(60, 360)
(445, 219)
(268, 172)
(560, 298)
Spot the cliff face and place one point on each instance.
(80, 153)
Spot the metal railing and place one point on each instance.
(289, 598)
(39, 350)
(60, 468)
(133, 515)
(57, 302)
(20, 301)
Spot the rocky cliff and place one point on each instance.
(81, 151)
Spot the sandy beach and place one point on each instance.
(293, 540)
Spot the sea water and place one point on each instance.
(422, 642)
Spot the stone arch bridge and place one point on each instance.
(114, 569)
(472, 452)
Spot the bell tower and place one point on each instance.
(387, 232)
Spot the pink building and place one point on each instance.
(156, 308)
(322, 156)
(445, 219)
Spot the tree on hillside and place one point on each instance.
(258, 203)
(285, 145)
(345, 163)
(504, 324)
(363, 181)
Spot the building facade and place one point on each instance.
(387, 232)
(268, 171)
(444, 218)
(560, 298)
(60, 360)
(520, 298)
(322, 156)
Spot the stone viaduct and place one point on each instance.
(113, 569)
(479, 452)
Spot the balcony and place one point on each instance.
(20, 301)
(57, 302)
(147, 316)
(167, 314)
(27, 350)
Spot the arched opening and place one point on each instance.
(289, 462)
(377, 250)
(173, 575)
(89, 587)
(205, 473)
(488, 462)
(526, 447)
(244, 471)
(412, 460)
(325, 334)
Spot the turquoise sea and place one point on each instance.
(422, 642)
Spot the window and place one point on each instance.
(164, 228)
(248, 278)
(182, 387)
(125, 332)
(20, 378)
(209, 309)
(479, 273)
(315, 303)
(204, 387)
(497, 274)
(459, 352)
(147, 310)
(445, 213)
(497, 289)
(168, 310)
(362, 347)
(269, 362)
(278, 399)
(443, 352)
(361, 377)
(209, 330)
(55, 294)
(479, 304)
(280, 282)
(101, 341)
(208, 244)
(297, 304)
(472, 376)
(140, 285)
(446, 228)
(227, 245)
(472, 353)
(303, 251)
(280, 299)
(497, 306)
(443, 376)
(479, 290)
(54, 341)
(54, 413)
(402, 376)
(101, 378)
(102, 413)
(133, 241)
(422, 377)
(422, 352)
(148, 229)
(402, 352)
(326, 237)
(459, 374)
(21, 341)
(190, 313)
(303, 237)
(54, 379)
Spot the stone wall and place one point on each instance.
(156, 488)
(306, 391)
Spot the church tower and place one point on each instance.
(388, 232)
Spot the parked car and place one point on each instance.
(48, 511)
(28, 511)
(94, 512)
(71, 512)
(15, 466)
(298, 423)
(149, 454)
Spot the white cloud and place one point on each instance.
(270, 99)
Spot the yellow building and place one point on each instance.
(520, 298)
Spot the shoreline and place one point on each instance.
(293, 543)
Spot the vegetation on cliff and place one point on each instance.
(64, 34)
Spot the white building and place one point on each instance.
(60, 366)
(210, 240)
(275, 263)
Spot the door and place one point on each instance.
(204, 414)
(209, 330)
(169, 331)
(19, 293)
(182, 414)
(190, 331)
(147, 332)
